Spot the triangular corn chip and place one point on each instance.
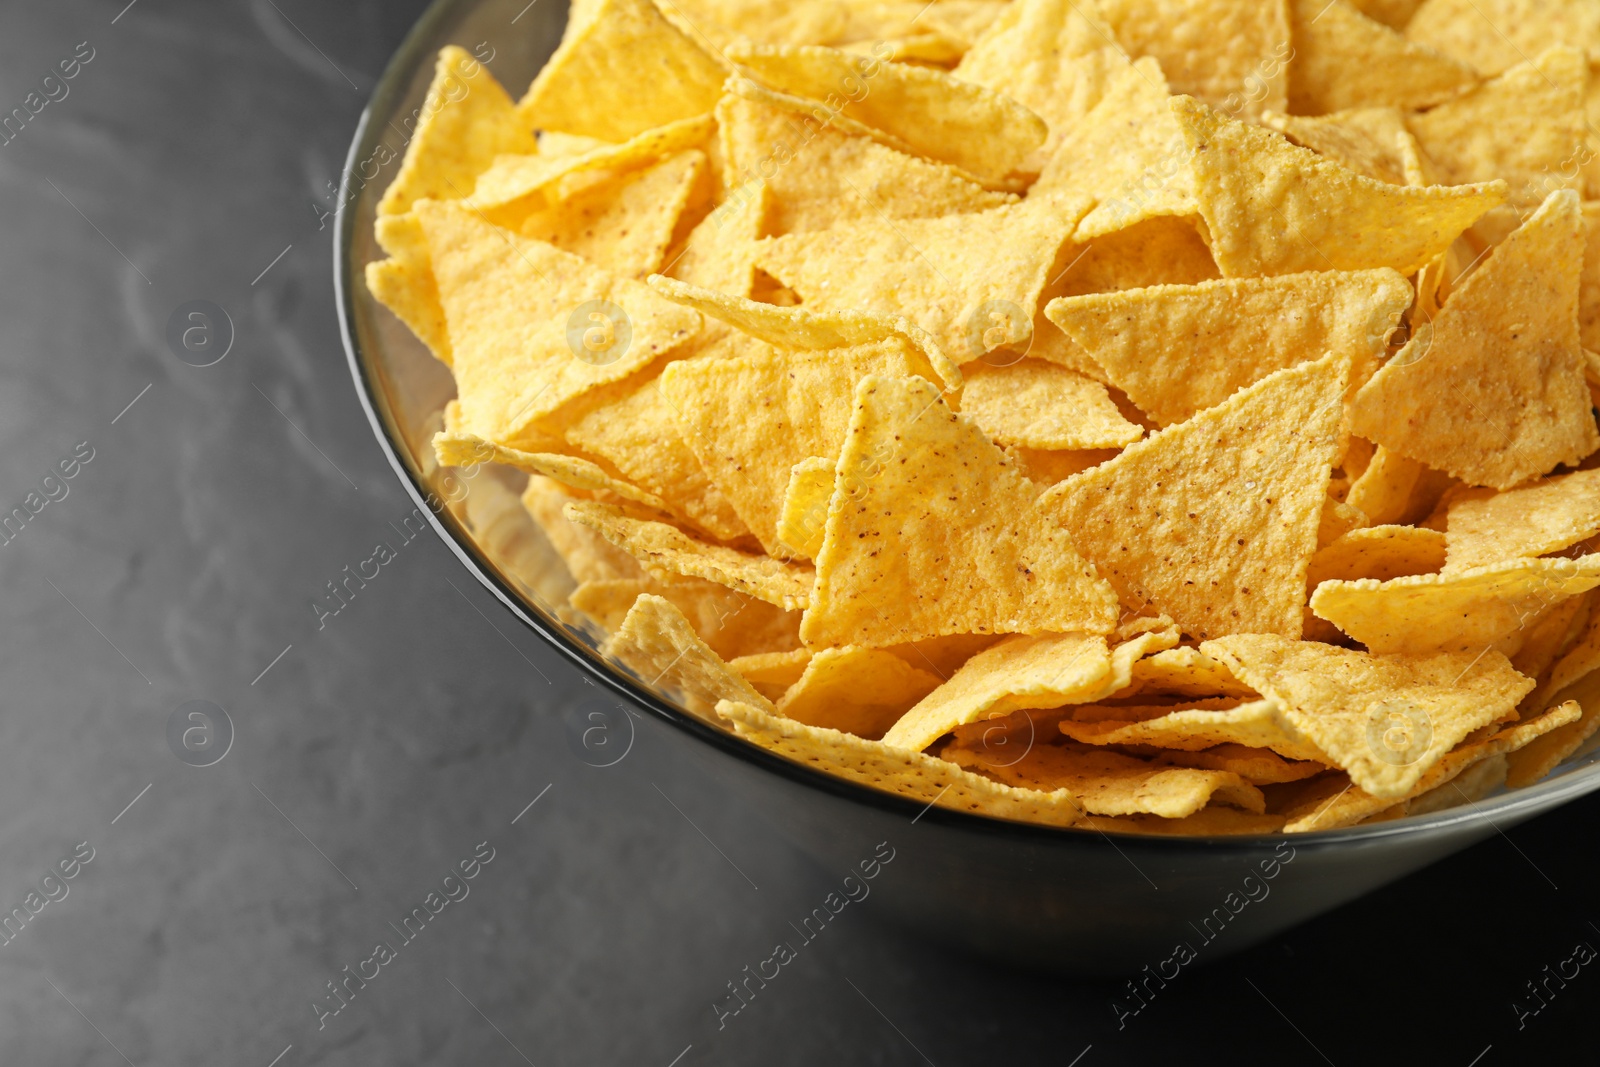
(467, 120)
(404, 282)
(1384, 719)
(510, 301)
(749, 419)
(1494, 35)
(731, 624)
(1524, 126)
(1536, 521)
(1487, 607)
(1214, 521)
(1493, 391)
(1176, 350)
(1383, 491)
(588, 556)
(929, 515)
(1128, 153)
(662, 548)
(1377, 552)
(860, 691)
(1274, 208)
(982, 132)
(461, 450)
(804, 518)
(1183, 672)
(1258, 766)
(1043, 406)
(806, 328)
(659, 645)
(1576, 663)
(626, 70)
(1108, 783)
(1343, 59)
(1229, 53)
(947, 275)
(1260, 724)
(1353, 804)
(820, 177)
(1543, 755)
(912, 775)
(1372, 141)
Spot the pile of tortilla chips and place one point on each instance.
(1166, 416)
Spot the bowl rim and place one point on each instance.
(418, 47)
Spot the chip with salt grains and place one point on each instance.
(730, 623)
(1160, 345)
(659, 645)
(1275, 208)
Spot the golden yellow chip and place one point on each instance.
(1343, 59)
(1384, 719)
(1576, 663)
(781, 669)
(734, 626)
(626, 70)
(462, 450)
(1535, 521)
(1176, 350)
(1371, 141)
(805, 328)
(1183, 672)
(820, 177)
(1395, 14)
(1540, 757)
(859, 691)
(1261, 724)
(1551, 631)
(1494, 35)
(805, 506)
(1229, 53)
(1107, 783)
(633, 425)
(1493, 390)
(1526, 126)
(407, 288)
(660, 646)
(928, 514)
(467, 120)
(720, 252)
(971, 281)
(1376, 552)
(1215, 520)
(1258, 766)
(1384, 489)
(1049, 468)
(1274, 208)
(1042, 406)
(987, 135)
(1589, 289)
(588, 556)
(909, 774)
(1128, 154)
(749, 419)
(534, 328)
(1487, 607)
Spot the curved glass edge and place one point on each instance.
(417, 48)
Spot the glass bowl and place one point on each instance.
(1070, 900)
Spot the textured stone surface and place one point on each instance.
(185, 557)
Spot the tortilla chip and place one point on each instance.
(1051, 468)
(1534, 521)
(1273, 208)
(663, 548)
(1395, 14)
(820, 177)
(1215, 520)
(1107, 783)
(1229, 53)
(635, 426)
(720, 252)
(1343, 59)
(1162, 345)
(929, 515)
(1487, 607)
(1468, 787)
(467, 120)
(517, 184)
(1542, 756)
(626, 70)
(805, 507)
(1380, 552)
(1494, 35)
(659, 645)
(1549, 633)
(1128, 154)
(407, 288)
(1384, 719)
(1049, 56)
(1524, 126)
(1493, 390)
(461, 450)
(805, 328)
(906, 774)
(780, 407)
(1371, 141)
(1576, 663)
(946, 274)
(859, 691)
(1260, 724)
(781, 669)
(1351, 805)
(1338, 519)
(1183, 672)
(1042, 406)
(1258, 766)
(732, 625)
(1589, 298)
(509, 301)
(1384, 489)
(588, 556)
(925, 111)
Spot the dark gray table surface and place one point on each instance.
(189, 160)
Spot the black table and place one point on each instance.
(190, 159)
